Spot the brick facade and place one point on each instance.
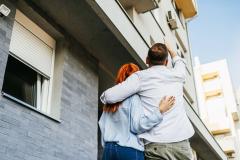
(27, 135)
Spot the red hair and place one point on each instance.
(124, 72)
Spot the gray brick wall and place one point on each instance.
(6, 24)
(28, 135)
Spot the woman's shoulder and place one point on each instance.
(135, 96)
(132, 98)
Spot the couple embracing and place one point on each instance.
(144, 115)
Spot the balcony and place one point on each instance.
(219, 128)
(209, 76)
(188, 7)
(140, 6)
(212, 85)
(227, 144)
(214, 93)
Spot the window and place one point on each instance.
(25, 84)
(20, 81)
(29, 71)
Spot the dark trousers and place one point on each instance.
(113, 151)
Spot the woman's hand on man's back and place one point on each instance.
(166, 103)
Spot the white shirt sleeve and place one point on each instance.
(122, 90)
(140, 122)
(179, 68)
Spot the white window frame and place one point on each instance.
(48, 40)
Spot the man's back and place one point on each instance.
(152, 85)
(155, 83)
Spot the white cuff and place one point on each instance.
(102, 98)
(177, 58)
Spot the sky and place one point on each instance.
(215, 34)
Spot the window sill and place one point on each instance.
(29, 106)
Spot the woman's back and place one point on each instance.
(116, 127)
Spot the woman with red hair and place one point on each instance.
(121, 122)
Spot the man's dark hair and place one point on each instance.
(157, 54)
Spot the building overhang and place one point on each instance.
(188, 7)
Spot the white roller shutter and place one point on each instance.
(29, 48)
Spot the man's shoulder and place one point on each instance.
(151, 72)
(143, 72)
(164, 73)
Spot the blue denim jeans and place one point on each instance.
(113, 151)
